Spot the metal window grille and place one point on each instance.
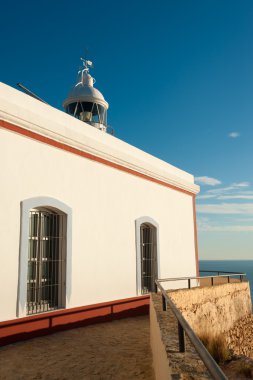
(148, 258)
(46, 261)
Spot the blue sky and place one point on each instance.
(179, 79)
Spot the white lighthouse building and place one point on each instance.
(88, 222)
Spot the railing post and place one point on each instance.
(241, 278)
(189, 283)
(164, 303)
(156, 287)
(228, 279)
(181, 338)
(212, 281)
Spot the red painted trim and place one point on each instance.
(47, 323)
(67, 148)
(195, 234)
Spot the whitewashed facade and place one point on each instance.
(104, 187)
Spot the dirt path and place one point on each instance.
(114, 350)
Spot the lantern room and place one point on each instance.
(85, 102)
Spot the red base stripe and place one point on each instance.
(47, 323)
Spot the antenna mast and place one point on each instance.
(28, 92)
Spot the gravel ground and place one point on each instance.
(113, 350)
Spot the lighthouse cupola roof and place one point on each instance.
(85, 102)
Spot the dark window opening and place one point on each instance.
(148, 257)
(46, 261)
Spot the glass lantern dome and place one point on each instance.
(85, 102)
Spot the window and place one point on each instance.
(148, 249)
(46, 275)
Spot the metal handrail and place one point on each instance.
(219, 271)
(231, 274)
(201, 277)
(183, 326)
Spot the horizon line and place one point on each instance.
(225, 259)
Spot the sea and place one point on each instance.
(235, 266)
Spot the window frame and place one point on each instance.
(26, 206)
(138, 223)
(46, 261)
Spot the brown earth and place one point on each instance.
(113, 350)
(240, 368)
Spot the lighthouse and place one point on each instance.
(85, 102)
(85, 211)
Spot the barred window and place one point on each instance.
(148, 257)
(46, 275)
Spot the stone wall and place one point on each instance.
(168, 362)
(240, 337)
(215, 309)
(223, 309)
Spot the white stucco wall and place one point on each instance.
(105, 204)
(23, 110)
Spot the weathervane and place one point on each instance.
(84, 71)
(87, 64)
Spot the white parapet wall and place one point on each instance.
(160, 360)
